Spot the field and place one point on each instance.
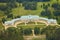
(20, 10)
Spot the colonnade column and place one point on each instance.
(36, 23)
(25, 23)
(33, 33)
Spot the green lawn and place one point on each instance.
(31, 26)
(20, 10)
(2, 3)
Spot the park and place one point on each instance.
(29, 19)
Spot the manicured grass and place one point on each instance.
(2, 3)
(21, 11)
(31, 26)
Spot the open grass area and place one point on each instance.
(2, 3)
(32, 26)
(21, 11)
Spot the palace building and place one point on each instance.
(30, 18)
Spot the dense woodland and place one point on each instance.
(25, 0)
(12, 33)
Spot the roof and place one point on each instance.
(30, 17)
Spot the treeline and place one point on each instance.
(54, 13)
(7, 9)
(3, 1)
(25, 0)
(51, 32)
(11, 34)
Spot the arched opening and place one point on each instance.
(32, 23)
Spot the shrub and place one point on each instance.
(27, 31)
(36, 30)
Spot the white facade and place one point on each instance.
(29, 18)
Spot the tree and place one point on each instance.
(10, 16)
(46, 13)
(56, 13)
(3, 7)
(43, 30)
(12, 3)
(3, 20)
(48, 4)
(30, 5)
(17, 16)
(11, 33)
(57, 34)
(20, 1)
(50, 33)
(57, 16)
(36, 30)
(14, 34)
(27, 31)
(56, 6)
(3, 1)
(45, 6)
